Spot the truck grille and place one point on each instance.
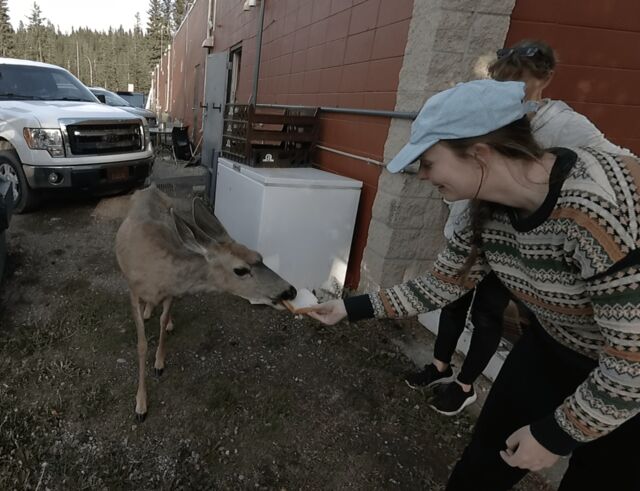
(101, 139)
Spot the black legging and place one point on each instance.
(536, 377)
(487, 312)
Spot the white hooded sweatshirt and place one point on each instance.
(555, 124)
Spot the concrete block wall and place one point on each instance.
(449, 41)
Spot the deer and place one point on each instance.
(164, 254)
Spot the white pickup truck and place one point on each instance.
(55, 134)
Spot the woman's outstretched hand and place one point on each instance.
(329, 313)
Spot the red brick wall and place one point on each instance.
(188, 69)
(342, 53)
(599, 70)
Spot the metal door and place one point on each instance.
(214, 96)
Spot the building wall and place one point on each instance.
(452, 41)
(339, 53)
(599, 69)
(383, 54)
(188, 69)
(180, 85)
(449, 42)
(161, 84)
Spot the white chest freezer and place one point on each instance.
(301, 220)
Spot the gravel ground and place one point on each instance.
(251, 398)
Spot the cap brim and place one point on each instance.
(409, 154)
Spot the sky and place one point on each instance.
(95, 14)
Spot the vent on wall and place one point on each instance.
(208, 42)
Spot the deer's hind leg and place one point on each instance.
(141, 395)
(165, 321)
(169, 322)
(148, 311)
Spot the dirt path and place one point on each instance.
(251, 398)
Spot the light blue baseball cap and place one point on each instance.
(469, 109)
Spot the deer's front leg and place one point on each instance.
(141, 395)
(165, 320)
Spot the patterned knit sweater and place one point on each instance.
(575, 263)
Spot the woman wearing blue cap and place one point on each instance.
(560, 229)
(555, 124)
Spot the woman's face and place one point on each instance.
(456, 178)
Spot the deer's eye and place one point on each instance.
(242, 271)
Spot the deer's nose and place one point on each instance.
(289, 294)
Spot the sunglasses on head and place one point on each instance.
(522, 51)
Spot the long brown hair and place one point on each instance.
(513, 65)
(514, 141)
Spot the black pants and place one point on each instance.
(536, 377)
(488, 308)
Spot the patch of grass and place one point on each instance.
(189, 471)
(23, 442)
(38, 450)
(36, 336)
(222, 395)
(75, 285)
(96, 399)
(86, 313)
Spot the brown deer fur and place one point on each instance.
(164, 254)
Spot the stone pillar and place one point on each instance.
(449, 41)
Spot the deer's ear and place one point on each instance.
(208, 223)
(186, 234)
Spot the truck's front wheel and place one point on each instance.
(24, 198)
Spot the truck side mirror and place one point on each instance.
(102, 98)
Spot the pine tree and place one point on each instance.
(47, 40)
(179, 11)
(7, 35)
(110, 63)
(20, 50)
(139, 57)
(156, 32)
(167, 15)
(114, 58)
(137, 28)
(35, 33)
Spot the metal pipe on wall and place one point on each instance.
(350, 155)
(256, 67)
(211, 20)
(349, 110)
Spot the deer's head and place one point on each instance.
(231, 267)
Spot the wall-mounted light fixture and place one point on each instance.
(249, 3)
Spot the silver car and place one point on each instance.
(113, 99)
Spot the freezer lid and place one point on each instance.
(292, 177)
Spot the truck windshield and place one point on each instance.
(24, 82)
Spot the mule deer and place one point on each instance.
(163, 255)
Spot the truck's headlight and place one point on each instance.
(45, 139)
